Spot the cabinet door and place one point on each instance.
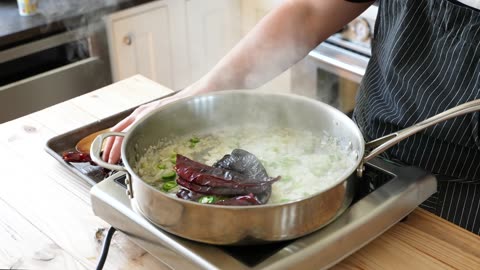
(252, 12)
(213, 28)
(150, 40)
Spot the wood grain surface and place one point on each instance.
(46, 220)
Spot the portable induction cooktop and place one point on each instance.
(392, 193)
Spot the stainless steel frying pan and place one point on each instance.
(228, 225)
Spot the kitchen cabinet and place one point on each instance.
(172, 42)
(252, 12)
(213, 28)
(175, 42)
(150, 39)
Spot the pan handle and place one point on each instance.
(380, 145)
(96, 148)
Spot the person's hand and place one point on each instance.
(111, 151)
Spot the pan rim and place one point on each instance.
(344, 118)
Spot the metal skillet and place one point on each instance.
(241, 225)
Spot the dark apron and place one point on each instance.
(425, 60)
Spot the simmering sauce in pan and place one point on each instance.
(307, 163)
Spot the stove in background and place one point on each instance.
(332, 72)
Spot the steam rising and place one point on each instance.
(85, 17)
(267, 68)
(89, 11)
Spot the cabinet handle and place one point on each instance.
(127, 40)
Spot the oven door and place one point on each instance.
(331, 74)
(53, 69)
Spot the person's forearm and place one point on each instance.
(279, 40)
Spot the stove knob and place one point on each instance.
(362, 30)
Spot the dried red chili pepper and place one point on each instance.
(232, 190)
(238, 174)
(75, 156)
(248, 199)
(202, 174)
(203, 178)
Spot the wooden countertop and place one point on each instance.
(46, 220)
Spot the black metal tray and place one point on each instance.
(59, 144)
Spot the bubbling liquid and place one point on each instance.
(308, 163)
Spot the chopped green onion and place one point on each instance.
(169, 185)
(162, 166)
(173, 158)
(194, 140)
(168, 175)
(207, 199)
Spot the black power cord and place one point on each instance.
(105, 247)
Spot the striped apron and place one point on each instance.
(425, 60)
